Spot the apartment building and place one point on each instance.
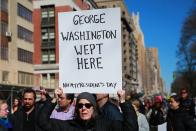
(16, 45)
(154, 80)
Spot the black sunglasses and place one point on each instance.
(87, 105)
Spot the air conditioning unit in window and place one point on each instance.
(8, 34)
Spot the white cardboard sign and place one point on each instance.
(90, 51)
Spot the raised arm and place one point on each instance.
(129, 115)
(44, 120)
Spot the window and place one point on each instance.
(48, 56)
(135, 76)
(44, 80)
(130, 58)
(123, 12)
(5, 75)
(25, 56)
(125, 59)
(129, 50)
(48, 80)
(51, 13)
(52, 56)
(48, 15)
(51, 33)
(4, 6)
(48, 35)
(44, 57)
(24, 12)
(4, 51)
(3, 28)
(44, 14)
(52, 80)
(25, 78)
(135, 69)
(124, 36)
(44, 34)
(25, 34)
(47, 12)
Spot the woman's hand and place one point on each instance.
(121, 95)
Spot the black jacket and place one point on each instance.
(180, 120)
(4, 129)
(18, 117)
(99, 124)
(111, 112)
(188, 104)
(156, 117)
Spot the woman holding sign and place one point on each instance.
(86, 118)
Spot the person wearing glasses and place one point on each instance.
(5, 125)
(86, 116)
(187, 102)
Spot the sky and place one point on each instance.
(161, 22)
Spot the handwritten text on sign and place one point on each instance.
(90, 51)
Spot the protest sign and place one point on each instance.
(90, 51)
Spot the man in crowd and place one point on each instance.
(107, 109)
(110, 111)
(43, 97)
(24, 119)
(187, 103)
(65, 111)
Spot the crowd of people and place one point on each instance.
(97, 112)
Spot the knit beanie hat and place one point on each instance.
(87, 96)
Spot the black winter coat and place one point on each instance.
(189, 105)
(4, 129)
(98, 124)
(180, 120)
(18, 117)
(156, 117)
(111, 112)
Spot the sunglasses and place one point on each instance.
(86, 105)
(183, 92)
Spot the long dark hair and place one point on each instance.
(19, 101)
